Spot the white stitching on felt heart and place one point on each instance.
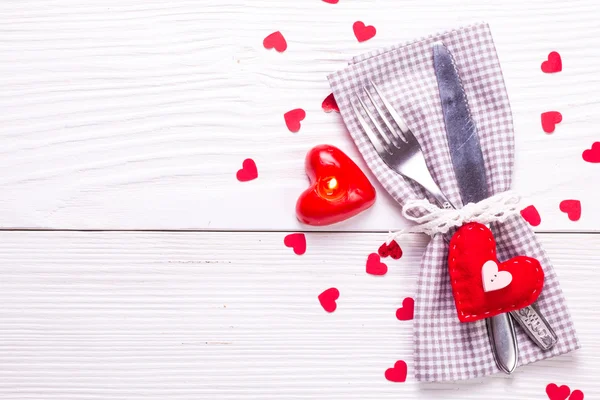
(494, 279)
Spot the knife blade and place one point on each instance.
(529, 318)
(469, 168)
(470, 172)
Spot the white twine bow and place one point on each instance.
(497, 208)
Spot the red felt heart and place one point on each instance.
(397, 373)
(275, 41)
(331, 1)
(329, 104)
(375, 266)
(576, 395)
(297, 241)
(531, 215)
(592, 155)
(392, 250)
(572, 208)
(293, 119)
(471, 247)
(555, 392)
(338, 190)
(363, 32)
(407, 311)
(328, 298)
(248, 171)
(549, 120)
(553, 64)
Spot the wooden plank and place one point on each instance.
(235, 316)
(127, 114)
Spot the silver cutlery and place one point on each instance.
(469, 168)
(399, 149)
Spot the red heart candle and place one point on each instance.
(338, 190)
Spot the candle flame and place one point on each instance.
(332, 184)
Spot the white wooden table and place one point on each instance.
(135, 266)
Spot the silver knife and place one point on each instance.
(529, 318)
(469, 167)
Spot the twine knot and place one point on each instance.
(433, 219)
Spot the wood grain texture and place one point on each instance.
(235, 316)
(128, 114)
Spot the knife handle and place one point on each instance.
(535, 326)
(503, 340)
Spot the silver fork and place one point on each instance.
(399, 149)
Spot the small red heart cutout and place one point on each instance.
(592, 155)
(390, 250)
(553, 64)
(576, 395)
(375, 266)
(572, 208)
(275, 41)
(248, 171)
(531, 215)
(481, 292)
(397, 373)
(331, 1)
(407, 311)
(549, 120)
(328, 298)
(293, 119)
(363, 32)
(297, 241)
(557, 393)
(338, 188)
(329, 104)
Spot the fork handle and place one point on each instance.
(503, 339)
(427, 182)
(501, 330)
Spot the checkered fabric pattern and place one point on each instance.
(446, 349)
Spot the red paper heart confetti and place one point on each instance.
(397, 373)
(338, 188)
(331, 1)
(572, 208)
(328, 298)
(275, 41)
(390, 250)
(407, 311)
(297, 241)
(482, 286)
(592, 155)
(329, 104)
(363, 32)
(531, 215)
(375, 266)
(555, 392)
(293, 119)
(248, 171)
(576, 395)
(553, 64)
(549, 120)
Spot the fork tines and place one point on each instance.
(390, 129)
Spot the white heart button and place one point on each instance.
(494, 279)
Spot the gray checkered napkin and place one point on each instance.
(446, 349)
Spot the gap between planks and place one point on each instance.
(374, 232)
